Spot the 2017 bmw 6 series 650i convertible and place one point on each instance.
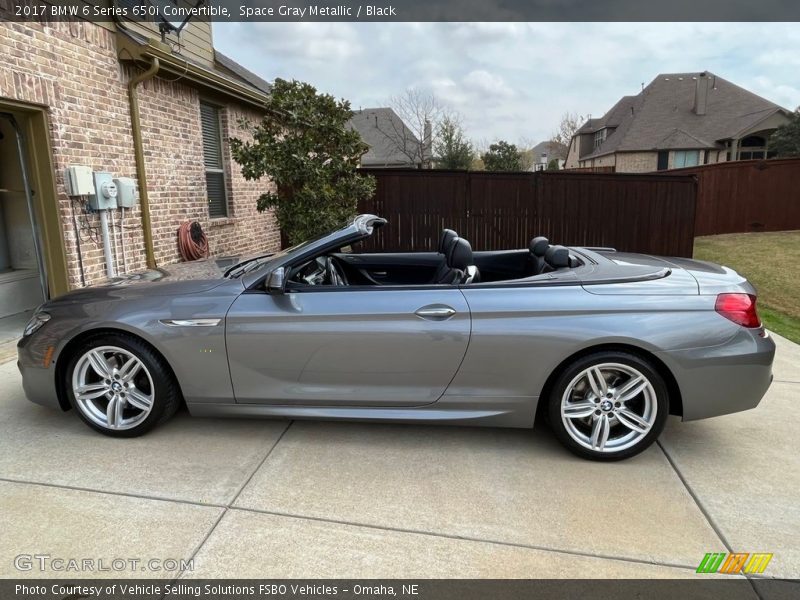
(602, 344)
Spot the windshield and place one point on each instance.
(360, 227)
(251, 264)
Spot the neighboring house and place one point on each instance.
(392, 144)
(543, 152)
(74, 88)
(678, 120)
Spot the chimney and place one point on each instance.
(701, 94)
(427, 142)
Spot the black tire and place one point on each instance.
(166, 392)
(573, 370)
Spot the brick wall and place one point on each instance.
(573, 160)
(625, 162)
(642, 162)
(637, 162)
(609, 160)
(224, 239)
(73, 70)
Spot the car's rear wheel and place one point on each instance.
(120, 386)
(608, 405)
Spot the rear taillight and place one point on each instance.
(739, 308)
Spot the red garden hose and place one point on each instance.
(192, 242)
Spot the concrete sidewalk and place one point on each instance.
(312, 499)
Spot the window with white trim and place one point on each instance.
(753, 147)
(599, 137)
(685, 158)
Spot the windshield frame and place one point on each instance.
(269, 258)
(358, 229)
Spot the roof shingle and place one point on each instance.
(241, 73)
(662, 115)
(390, 141)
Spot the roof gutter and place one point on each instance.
(138, 151)
(188, 71)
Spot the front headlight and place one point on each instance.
(37, 320)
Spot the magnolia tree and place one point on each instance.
(305, 147)
(502, 156)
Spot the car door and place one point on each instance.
(322, 346)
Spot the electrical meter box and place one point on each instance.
(105, 196)
(127, 192)
(79, 181)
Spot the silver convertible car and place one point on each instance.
(604, 345)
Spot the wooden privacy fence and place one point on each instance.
(497, 211)
(742, 196)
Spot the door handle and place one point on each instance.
(436, 312)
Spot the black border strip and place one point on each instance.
(414, 10)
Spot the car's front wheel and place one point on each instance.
(120, 386)
(608, 405)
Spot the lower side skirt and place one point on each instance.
(518, 412)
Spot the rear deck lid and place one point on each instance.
(628, 273)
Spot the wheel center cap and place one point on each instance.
(116, 386)
(606, 405)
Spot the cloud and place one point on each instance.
(310, 43)
(486, 33)
(515, 80)
(487, 84)
(786, 95)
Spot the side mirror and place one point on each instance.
(276, 281)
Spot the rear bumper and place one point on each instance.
(723, 379)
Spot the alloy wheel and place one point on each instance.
(113, 388)
(609, 407)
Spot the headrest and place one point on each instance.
(460, 256)
(557, 257)
(539, 245)
(447, 237)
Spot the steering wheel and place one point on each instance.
(334, 272)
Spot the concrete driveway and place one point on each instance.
(312, 499)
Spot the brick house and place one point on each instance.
(678, 120)
(72, 88)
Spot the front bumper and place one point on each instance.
(723, 379)
(37, 365)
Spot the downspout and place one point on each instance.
(138, 150)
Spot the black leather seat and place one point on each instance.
(461, 263)
(538, 247)
(447, 237)
(557, 257)
(445, 242)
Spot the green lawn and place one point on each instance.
(771, 261)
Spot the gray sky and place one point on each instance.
(513, 81)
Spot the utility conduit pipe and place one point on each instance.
(107, 243)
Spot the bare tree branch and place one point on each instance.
(420, 113)
(570, 123)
